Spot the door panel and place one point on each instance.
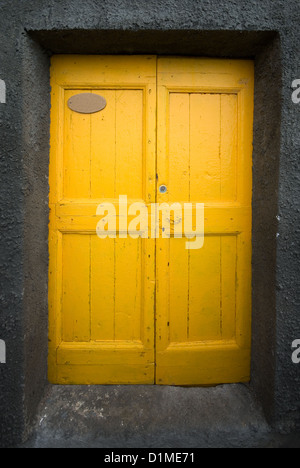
(101, 149)
(205, 155)
(113, 260)
(101, 291)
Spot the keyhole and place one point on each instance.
(163, 189)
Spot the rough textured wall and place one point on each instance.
(287, 384)
(267, 30)
(11, 230)
(35, 150)
(265, 224)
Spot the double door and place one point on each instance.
(145, 309)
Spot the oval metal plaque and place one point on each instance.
(87, 103)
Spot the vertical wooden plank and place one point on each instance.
(77, 153)
(229, 140)
(130, 158)
(128, 301)
(179, 291)
(204, 296)
(162, 255)
(163, 311)
(163, 139)
(56, 182)
(103, 148)
(179, 148)
(205, 148)
(179, 191)
(229, 284)
(102, 289)
(76, 288)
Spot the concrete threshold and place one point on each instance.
(153, 417)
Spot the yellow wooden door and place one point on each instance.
(101, 291)
(205, 119)
(144, 311)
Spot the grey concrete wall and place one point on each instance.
(35, 150)
(266, 157)
(30, 32)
